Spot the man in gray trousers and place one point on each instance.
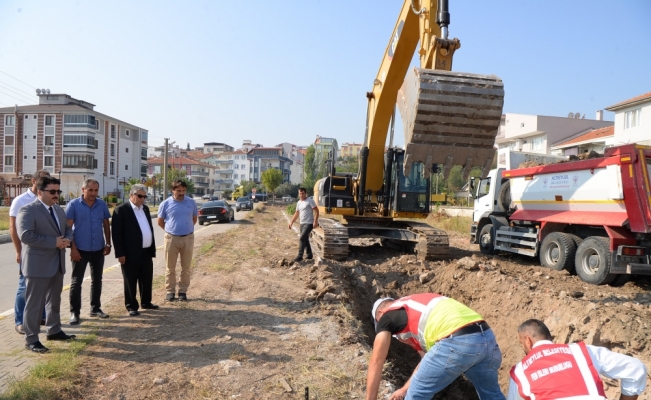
(44, 233)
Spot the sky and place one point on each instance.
(288, 70)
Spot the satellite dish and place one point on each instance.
(570, 115)
(577, 115)
(38, 91)
(48, 91)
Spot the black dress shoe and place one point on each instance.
(169, 297)
(61, 335)
(36, 347)
(133, 313)
(183, 297)
(74, 319)
(150, 306)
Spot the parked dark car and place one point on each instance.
(243, 203)
(215, 211)
(213, 198)
(259, 197)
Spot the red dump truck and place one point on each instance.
(591, 216)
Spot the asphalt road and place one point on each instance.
(9, 268)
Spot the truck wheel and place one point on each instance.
(504, 197)
(592, 261)
(486, 240)
(557, 251)
(200, 222)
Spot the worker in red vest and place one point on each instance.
(569, 371)
(451, 338)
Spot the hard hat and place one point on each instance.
(376, 305)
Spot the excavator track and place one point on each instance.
(330, 239)
(433, 244)
(450, 118)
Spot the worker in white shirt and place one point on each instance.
(569, 371)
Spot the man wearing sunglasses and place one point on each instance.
(133, 237)
(44, 233)
(88, 216)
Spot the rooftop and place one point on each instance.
(643, 98)
(586, 137)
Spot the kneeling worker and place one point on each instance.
(569, 371)
(451, 338)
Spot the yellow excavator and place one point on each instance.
(449, 118)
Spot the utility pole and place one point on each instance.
(165, 183)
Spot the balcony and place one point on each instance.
(223, 171)
(229, 181)
(201, 184)
(198, 173)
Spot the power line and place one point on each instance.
(13, 91)
(7, 94)
(18, 80)
(29, 94)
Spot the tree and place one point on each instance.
(247, 186)
(227, 194)
(348, 164)
(130, 182)
(309, 168)
(188, 148)
(287, 189)
(174, 174)
(271, 179)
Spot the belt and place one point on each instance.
(475, 327)
(180, 235)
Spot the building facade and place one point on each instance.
(537, 133)
(71, 140)
(264, 158)
(350, 150)
(633, 120)
(202, 174)
(215, 147)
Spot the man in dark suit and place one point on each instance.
(44, 233)
(133, 238)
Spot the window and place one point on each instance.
(112, 131)
(9, 160)
(78, 140)
(49, 140)
(126, 167)
(537, 143)
(112, 168)
(49, 120)
(632, 119)
(49, 161)
(96, 144)
(112, 150)
(9, 140)
(237, 166)
(9, 120)
(79, 120)
(24, 157)
(34, 137)
(53, 97)
(126, 132)
(94, 164)
(484, 187)
(126, 149)
(33, 157)
(78, 161)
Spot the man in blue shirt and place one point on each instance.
(177, 216)
(88, 216)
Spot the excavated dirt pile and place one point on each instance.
(505, 290)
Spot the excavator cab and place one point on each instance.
(409, 193)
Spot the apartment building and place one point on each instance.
(594, 140)
(264, 158)
(231, 168)
(73, 141)
(633, 120)
(202, 174)
(298, 161)
(537, 133)
(350, 150)
(215, 147)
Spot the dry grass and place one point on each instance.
(4, 219)
(459, 225)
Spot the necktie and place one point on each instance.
(55, 220)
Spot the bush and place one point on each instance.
(114, 199)
(291, 209)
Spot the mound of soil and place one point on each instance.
(257, 327)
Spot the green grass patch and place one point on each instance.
(451, 224)
(53, 376)
(206, 247)
(158, 282)
(222, 267)
(291, 209)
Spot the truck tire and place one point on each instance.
(557, 251)
(504, 197)
(486, 240)
(577, 241)
(620, 280)
(592, 261)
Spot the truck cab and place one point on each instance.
(485, 191)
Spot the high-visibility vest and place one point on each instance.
(430, 318)
(558, 372)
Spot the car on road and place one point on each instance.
(243, 203)
(288, 199)
(213, 198)
(216, 211)
(206, 196)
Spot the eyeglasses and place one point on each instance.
(141, 196)
(53, 191)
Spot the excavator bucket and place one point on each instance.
(450, 118)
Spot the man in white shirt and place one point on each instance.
(20, 201)
(309, 219)
(560, 371)
(133, 238)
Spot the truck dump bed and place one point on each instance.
(450, 118)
